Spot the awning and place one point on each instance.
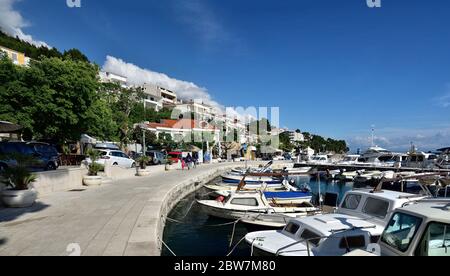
(7, 127)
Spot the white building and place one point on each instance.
(184, 128)
(158, 93)
(296, 136)
(201, 111)
(113, 78)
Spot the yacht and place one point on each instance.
(348, 160)
(358, 222)
(319, 159)
(420, 160)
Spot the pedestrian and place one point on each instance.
(183, 163)
(189, 161)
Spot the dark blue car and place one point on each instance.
(45, 156)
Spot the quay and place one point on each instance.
(121, 218)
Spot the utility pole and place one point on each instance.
(143, 142)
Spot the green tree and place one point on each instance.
(75, 55)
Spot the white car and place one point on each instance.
(115, 158)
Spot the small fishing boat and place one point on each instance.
(224, 189)
(236, 179)
(255, 208)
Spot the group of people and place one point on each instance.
(189, 162)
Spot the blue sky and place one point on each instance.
(333, 67)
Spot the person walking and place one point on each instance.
(189, 161)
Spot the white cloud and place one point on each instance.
(12, 22)
(400, 139)
(444, 100)
(138, 76)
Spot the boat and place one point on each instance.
(348, 160)
(319, 159)
(236, 179)
(420, 160)
(358, 222)
(224, 189)
(348, 176)
(298, 168)
(262, 169)
(256, 209)
(368, 177)
(420, 229)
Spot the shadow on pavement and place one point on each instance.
(11, 214)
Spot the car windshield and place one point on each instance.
(401, 231)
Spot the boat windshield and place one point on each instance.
(376, 207)
(292, 228)
(401, 231)
(311, 237)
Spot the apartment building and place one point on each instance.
(17, 58)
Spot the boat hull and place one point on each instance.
(260, 218)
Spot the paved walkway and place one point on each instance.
(115, 219)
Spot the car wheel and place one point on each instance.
(133, 165)
(50, 167)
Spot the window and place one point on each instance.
(376, 207)
(14, 57)
(435, 241)
(311, 237)
(400, 231)
(245, 201)
(351, 202)
(292, 228)
(353, 242)
(116, 154)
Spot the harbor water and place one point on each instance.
(191, 232)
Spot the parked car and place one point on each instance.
(115, 158)
(45, 156)
(175, 156)
(157, 157)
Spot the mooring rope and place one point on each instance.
(234, 248)
(168, 248)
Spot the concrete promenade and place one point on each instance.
(121, 218)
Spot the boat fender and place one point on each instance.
(220, 199)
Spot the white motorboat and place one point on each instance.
(236, 179)
(243, 170)
(348, 176)
(351, 159)
(368, 177)
(255, 208)
(224, 189)
(298, 168)
(420, 160)
(420, 229)
(358, 222)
